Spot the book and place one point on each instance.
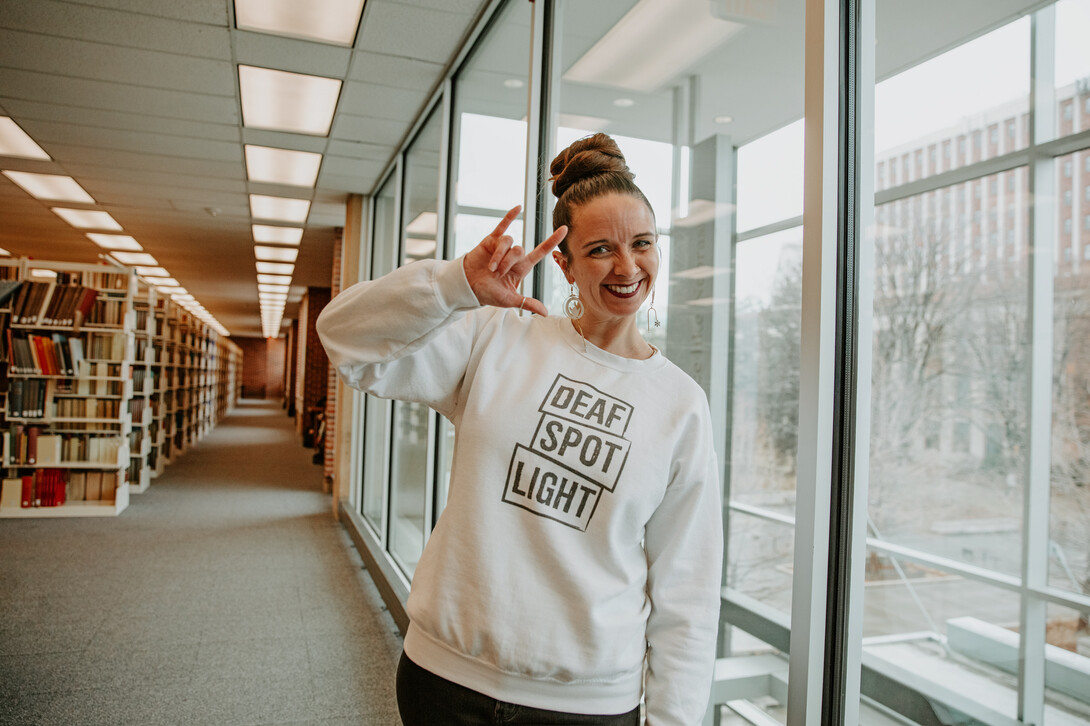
(93, 486)
(77, 482)
(28, 492)
(11, 494)
(8, 288)
(32, 445)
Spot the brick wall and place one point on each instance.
(331, 376)
(312, 366)
(262, 367)
(255, 370)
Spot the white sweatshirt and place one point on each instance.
(582, 531)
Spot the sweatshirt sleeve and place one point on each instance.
(405, 335)
(684, 544)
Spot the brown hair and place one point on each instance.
(590, 168)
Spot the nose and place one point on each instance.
(624, 264)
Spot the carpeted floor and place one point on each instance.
(225, 594)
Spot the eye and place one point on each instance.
(598, 251)
(642, 244)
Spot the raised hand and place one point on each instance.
(496, 267)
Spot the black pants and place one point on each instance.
(425, 699)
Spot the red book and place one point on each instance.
(32, 445)
(28, 492)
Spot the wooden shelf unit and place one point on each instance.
(137, 383)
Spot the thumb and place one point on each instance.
(533, 305)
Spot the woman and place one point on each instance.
(582, 538)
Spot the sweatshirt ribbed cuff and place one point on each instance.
(453, 288)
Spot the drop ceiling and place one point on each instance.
(138, 100)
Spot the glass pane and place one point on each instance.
(949, 491)
(1070, 491)
(377, 412)
(490, 108)
(1072, 66)
(764, 416)
(410, 519)
(683, 88)
(941, 111)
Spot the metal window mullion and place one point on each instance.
(548, 19)
(816, 363)
(533, 230)
(860, 446)
(1031, 649)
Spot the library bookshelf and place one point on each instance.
(94, 382)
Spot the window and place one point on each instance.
(489, 113)
(1067, 169)
(413, 423)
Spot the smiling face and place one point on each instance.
(611, 256)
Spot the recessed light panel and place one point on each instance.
(275, 279)
(327, 21)
(87, 219)
(135, 258)
(282, 166)
(283, 101)
(152, 272)
(275, 254)
(269, 234)
(50, 187)
(275, 268)
(16, 142)
(279, 209)
(115, 241)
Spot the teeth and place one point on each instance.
(625, 289)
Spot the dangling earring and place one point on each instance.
(573, 306)
(651, 310)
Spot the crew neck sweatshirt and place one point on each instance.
(577, 563)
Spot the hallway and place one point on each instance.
(225, 594)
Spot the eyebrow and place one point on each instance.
(595, 243)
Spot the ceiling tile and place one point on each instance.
(213, 12)
(289, 54)
(98, 61)
(370, 99)
(114, 27)
(431, 38)
(34, 86)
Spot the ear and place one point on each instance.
(562, 263)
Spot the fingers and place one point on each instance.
(506, 221)
(535, 306)
(503, 246)
(539, 253)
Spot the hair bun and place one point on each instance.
(585, 158)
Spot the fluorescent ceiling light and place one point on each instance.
(419, 247)
(284, 101)
(327, 21)
(280, 209)
(652, 44)
(275, 254)
(277, 235)
(164, 282)
(50, 187)
(426, 224)
(282, 166)
(43, 274)
(173, 290)
(275, 268)
(87, 219)
(115, 241)
(4, 253)
(135, 258)
(272, 298)
(152, 272)
(262, 287)
(275, 279)
(16, 142)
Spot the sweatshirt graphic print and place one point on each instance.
(578, 452)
